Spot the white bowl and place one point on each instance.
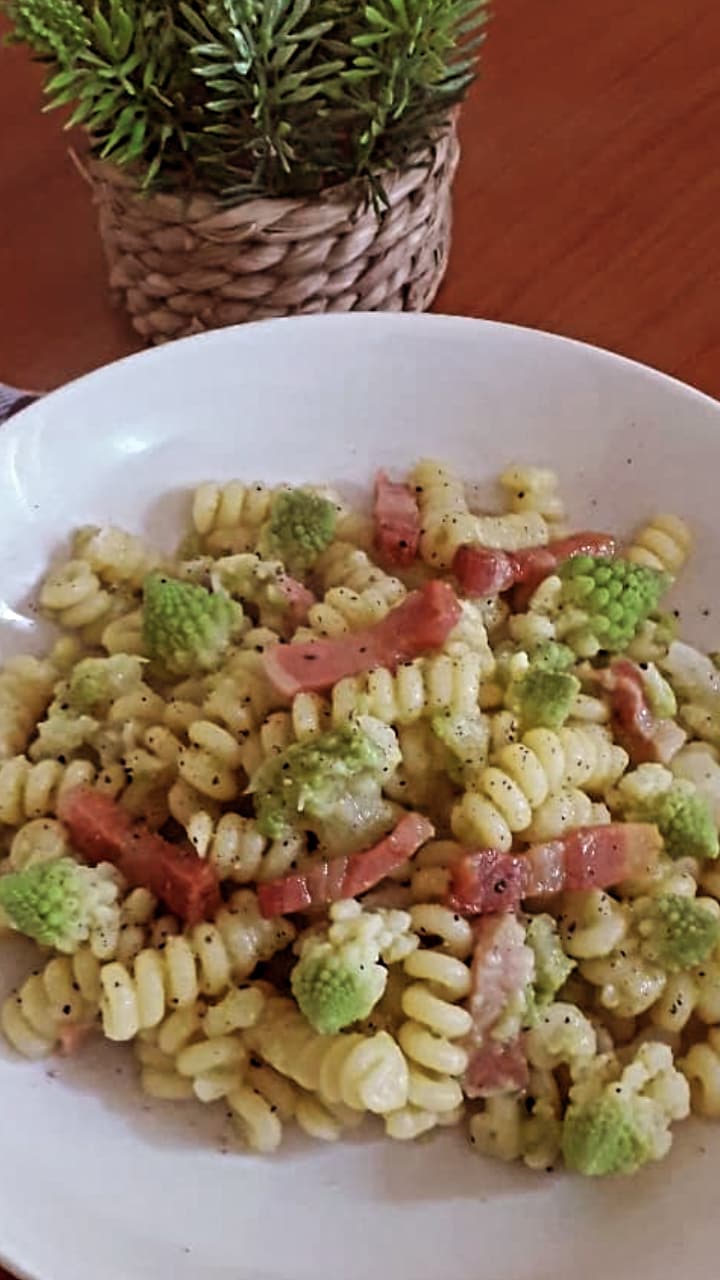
(94, 1183)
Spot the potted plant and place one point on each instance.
(255, 158)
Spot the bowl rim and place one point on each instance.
(358, 320)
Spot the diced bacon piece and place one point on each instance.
(491, 880)
(329, 880)
(502, 967)
(487, 881)
(397, 521)
(645, 739)
(101, 831)
(422, 621)
(598, 857)
(298, 597)
(482, 571)
(497, 1067)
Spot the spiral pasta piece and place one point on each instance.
(701, 1068)
(64, 994)
(526, 773)
(565, 811)
(363, 1072)
(196, 1052)
(226, 518)
(448, 523)
(231, 842)
(73, 596)
(124, 633)
(523, 1127)
(628, 983)
(59, 1002)
(309, 715)
(204, 960)
(33, 790)
(591, 923)
(347, 566)
(421, 779)
(240, 695)
(430, 870)
(26, 687)
(211, 762)
(115, 555)
(37, 840)
(420, 688)
(533, 489)
(694, 993)
(435, 1023)
(268, 1100)
(663, 544)
(342, 610)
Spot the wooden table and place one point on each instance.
(588, 200)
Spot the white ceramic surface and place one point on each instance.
(96, 1185)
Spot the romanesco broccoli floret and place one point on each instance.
(676, 932)
(301, 525)
(615, 1123)
(336, 986)
(697, 763)
(550, 655)
(552, 966)
(330, 785)
(185, 627)
(606, 601)
(339, 978)
(60, 902)
(543, 699)
(684, 820)
(95, 682)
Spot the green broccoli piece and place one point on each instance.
(186, 628)
(684, 820)
(552, 966)
(301, 525)
(331, 784)
(96, 682)
(616, 1125)
(605, 1137)
(676, 932)
(550, 655)
(606, 601)
(337, 985)
(543, 699)
(59, 903)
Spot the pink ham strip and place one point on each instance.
(397, 521)
(488, 881)
(420, 623)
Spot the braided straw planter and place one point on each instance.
(184, 265)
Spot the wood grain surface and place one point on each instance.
(588, 200)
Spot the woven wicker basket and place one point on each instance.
(183, 265)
